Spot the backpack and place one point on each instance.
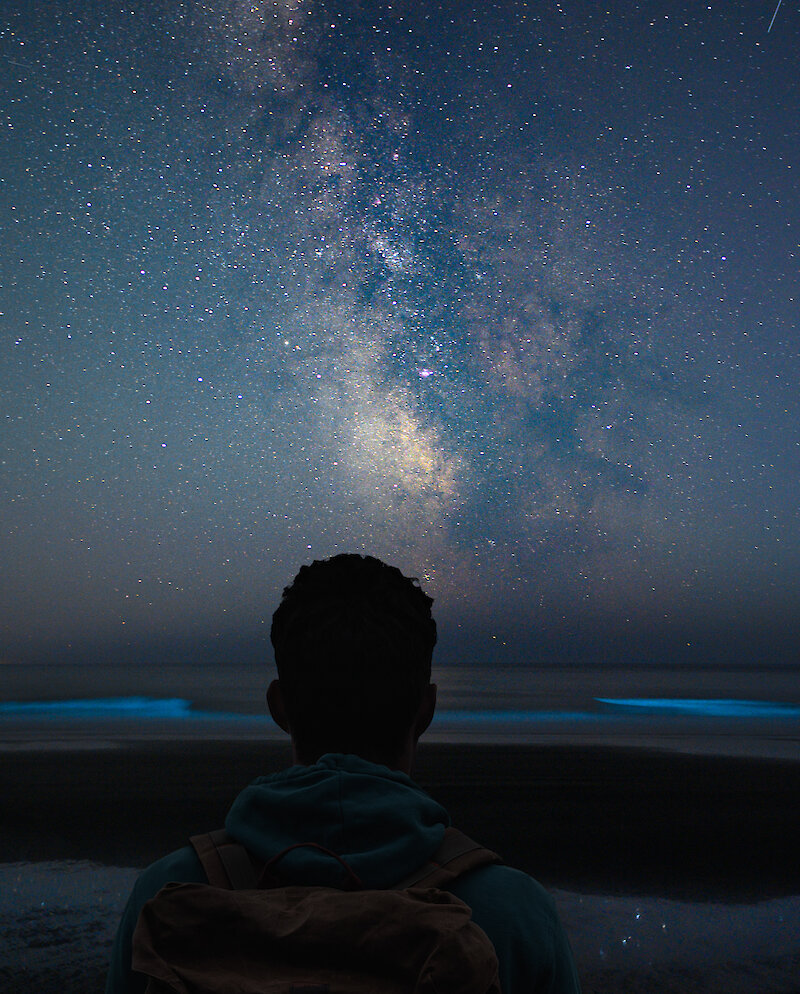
(243, 934)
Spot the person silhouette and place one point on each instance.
(353, 640)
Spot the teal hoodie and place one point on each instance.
(385, 827)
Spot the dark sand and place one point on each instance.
(597, 820)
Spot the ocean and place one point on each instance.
(728, 711)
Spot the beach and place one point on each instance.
(671, 871)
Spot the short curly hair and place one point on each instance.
(353, 640)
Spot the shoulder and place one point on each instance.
(521, 919)
(507, 895)
(181, 865)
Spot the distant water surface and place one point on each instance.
(731, 711)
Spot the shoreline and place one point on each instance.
(588, 819)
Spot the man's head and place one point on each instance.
(353, 641)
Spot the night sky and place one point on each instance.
(507, 294)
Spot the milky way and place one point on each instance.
(507, 297)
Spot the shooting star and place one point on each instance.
(774, 16)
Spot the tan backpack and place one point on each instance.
(241, 934)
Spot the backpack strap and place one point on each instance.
(457, 854)
(226, 862)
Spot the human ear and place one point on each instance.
(276, 706)
(426, 710)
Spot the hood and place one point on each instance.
(377, 820)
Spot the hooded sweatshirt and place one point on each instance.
(384, 827)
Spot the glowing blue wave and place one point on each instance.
(616, 708)
(706, 708)
(110, 707)
(612, 709)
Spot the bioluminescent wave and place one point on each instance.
(703, 708)
(611, 710)
(110, 707)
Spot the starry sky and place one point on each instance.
(504, 293)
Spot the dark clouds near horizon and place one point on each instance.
(506, 294)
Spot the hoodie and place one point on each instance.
(384, 827)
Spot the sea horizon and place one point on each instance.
(742, 711)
